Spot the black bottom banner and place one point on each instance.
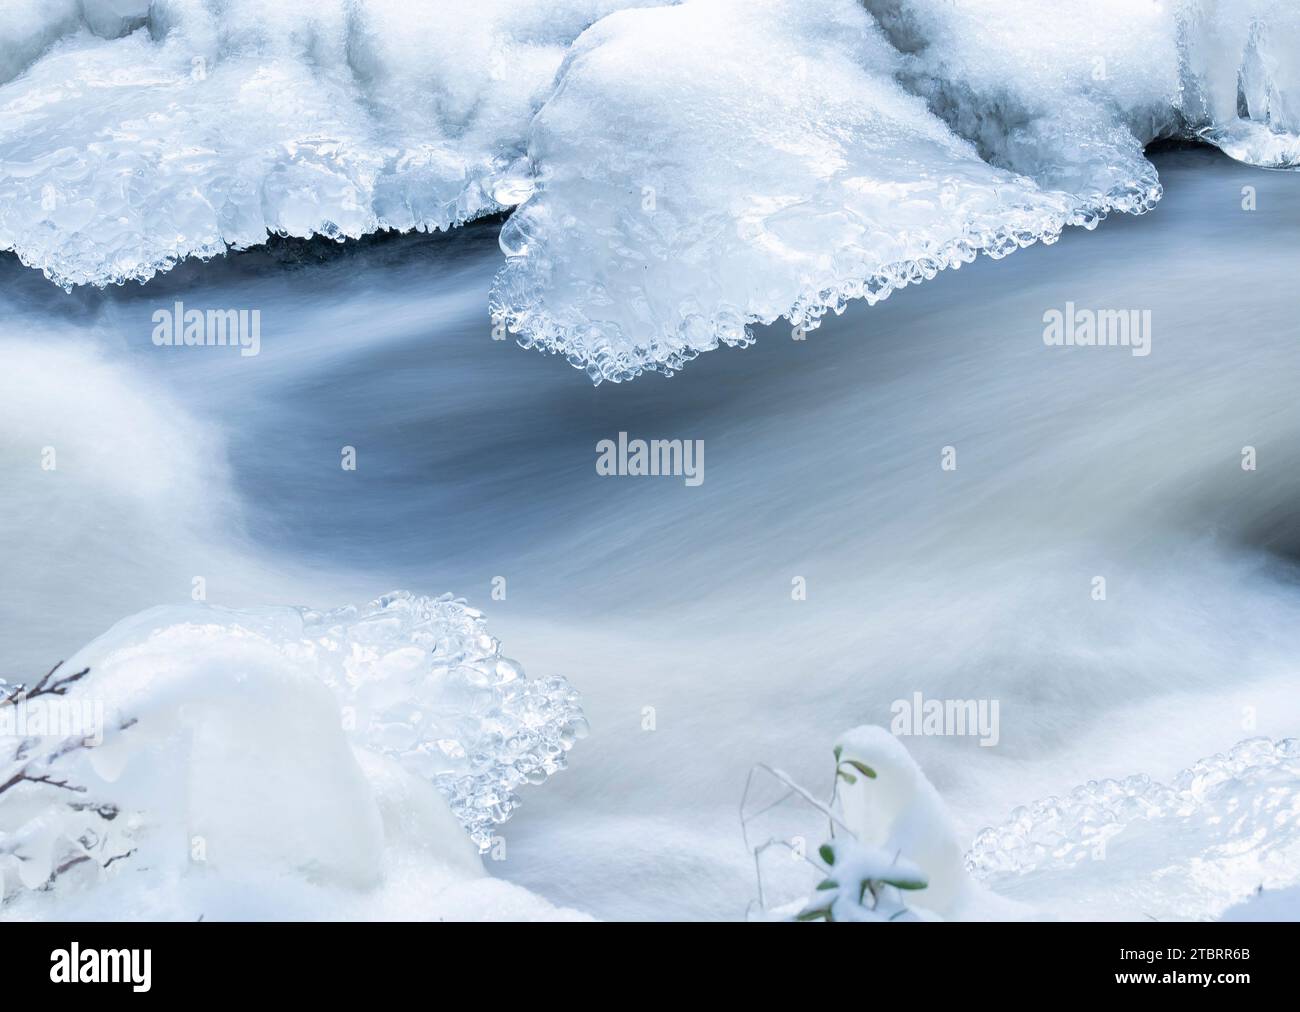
(334, 960)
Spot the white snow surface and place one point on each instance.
(1267, 905)
(678, 171)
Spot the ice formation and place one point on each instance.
(185, 127)
(324, 749)
(856, 156)
(424, 683)
(1227, 826)
(678, 171)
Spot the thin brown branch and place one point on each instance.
(23, 777)
(119, 857)
(70, 863)
(48, 685)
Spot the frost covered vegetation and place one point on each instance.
(677, 171)
(888, 834)
(859, 882)
(317, 763)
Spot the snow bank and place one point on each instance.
(1267, 905)
(679, 171)
(280, 762)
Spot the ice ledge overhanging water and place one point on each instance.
(678, 172)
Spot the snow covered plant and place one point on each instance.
(888, 836)
(862, 883)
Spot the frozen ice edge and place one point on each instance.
(464, 166)
(145, 271)
(534, 329)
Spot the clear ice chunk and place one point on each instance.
(426, 685)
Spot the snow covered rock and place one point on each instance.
(687, 189)
(274, 761)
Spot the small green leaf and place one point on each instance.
(821, 913)
(847, 777)
(899, 882)
(827, 853)
(829, 883)
(839, 751)
(862, 768)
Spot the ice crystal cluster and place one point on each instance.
(1225, 826)
(425, 684)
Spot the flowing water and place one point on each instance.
(671, 607)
